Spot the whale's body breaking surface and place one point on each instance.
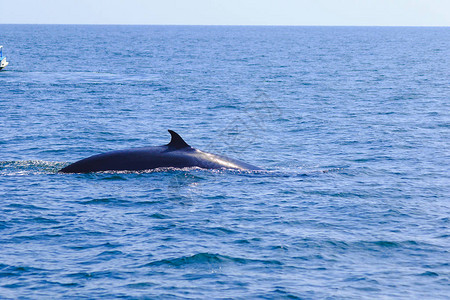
(176, 154)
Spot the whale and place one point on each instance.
(176, 154)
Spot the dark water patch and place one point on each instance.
(140, 285)
(218, 231)
(164, 227)
(393, 245)
(338, 244)
(83, 276)
(279, 293)
(341, 246)
(279, 248)
(368, 288)
(386, 244)
(16, 285)
(8, 270)
(85, 246)
(40, 283)
(35, 238)
(26, 206)
(429, 274)
(4, 225)
(159, 216)
(104, 201)
(42, 220)
(146, 203)
(344, 195)
(115, 177)
(110, 254)
(217, 197)
(242, 241)
(223, 230)
(201, 276)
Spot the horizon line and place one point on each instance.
(223, 25)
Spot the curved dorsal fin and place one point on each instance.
(176, 142)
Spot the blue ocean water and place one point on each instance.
(351, 124)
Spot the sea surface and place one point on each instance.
(350, 124)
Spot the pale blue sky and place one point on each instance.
(228, 12)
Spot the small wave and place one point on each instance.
(115, 177)
(159, 216)
(26, 206)
(189, 169)
(429, 274)
(363, 245)
(38, 167)
(79, 247)
(383, 244)
(209, 258)
(296, 171)
(8, 271)
(42, 220)
(110, 253)
(29, 167)
(169, 170)
(140, 285)
(91, 275)
(100, 201)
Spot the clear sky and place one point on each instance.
(228, 12)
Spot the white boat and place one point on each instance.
(3, 62)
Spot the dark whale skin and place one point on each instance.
(176, 154)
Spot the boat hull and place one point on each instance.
(3, 63)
